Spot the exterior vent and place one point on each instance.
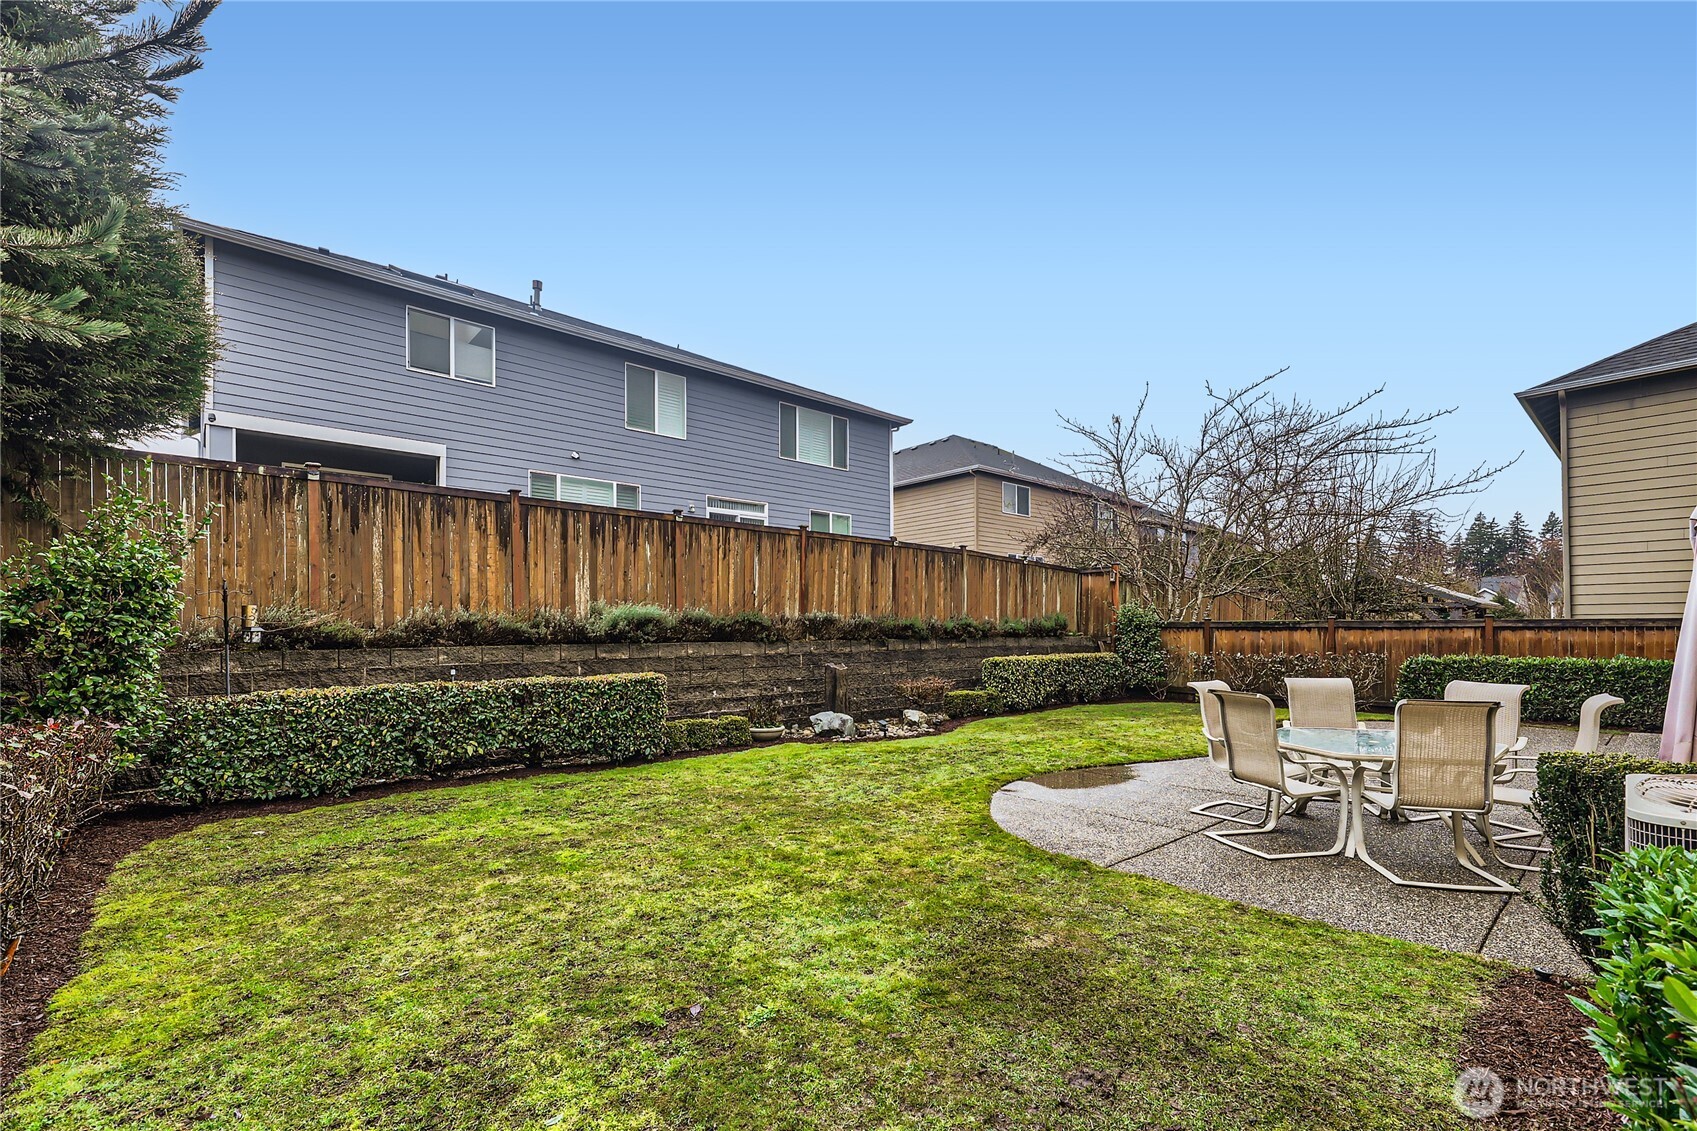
(1661, 810)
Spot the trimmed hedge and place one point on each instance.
(1581, 803)
(1558, 685)
(683, 735)
(1027, 682)
(1137, 641)
(1643, 1009)
(964, 704)
(302, 743)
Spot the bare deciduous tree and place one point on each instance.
(1301, 506)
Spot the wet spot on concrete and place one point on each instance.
(1093, 778)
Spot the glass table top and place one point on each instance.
(1338, 742)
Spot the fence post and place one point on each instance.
(965, 591)
(677, 558)
(1489, 635)
(515, 537)
(895, 579)
(1207, 635)
(1332, 635)
(801, 584)
(1114, 600)
(314, 537)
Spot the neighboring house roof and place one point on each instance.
(1455, 596)
(522, 311)
(1669, 353)
(957, 455)
(1509, 588)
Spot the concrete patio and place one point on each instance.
(1137, 819)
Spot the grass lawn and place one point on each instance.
(796, 936)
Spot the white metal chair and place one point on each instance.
(1591, 721)
(1249, 729)
(1321, 702)
(1522, 839)
(1445, 765)
(1210, 709)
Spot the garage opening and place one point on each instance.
(345, 459)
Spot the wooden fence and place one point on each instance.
(1653, 639)
(372, 552)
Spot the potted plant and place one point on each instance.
(763, 722)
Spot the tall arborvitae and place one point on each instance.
(106, 333)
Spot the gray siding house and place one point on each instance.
(376, 370)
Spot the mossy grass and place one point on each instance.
(818, 936)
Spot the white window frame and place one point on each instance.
(830, 517)
(1017, 488)
(559, 475)
(655, 431)
(1107, 518)
(453, 346)
(832, 465)
(238, 422)
(736, 515)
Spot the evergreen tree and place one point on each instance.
(1551, 530)
(1517, 543)
(1483, 548)
(106, 334)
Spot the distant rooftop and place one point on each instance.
(957, 455)
(1669, 353)
(493, 303)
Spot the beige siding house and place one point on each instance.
(1625, 428)
(961, 492)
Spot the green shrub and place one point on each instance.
(1137, 641)
(1028, 682)
(302, 743)
(1581, 801)
(1266, 673)
(292, 626)
(86, 619)
(1054, 624)
(966, 704)
(1558, 685)
(1643, 1008)
(683, 735)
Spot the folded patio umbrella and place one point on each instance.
(1679, 729)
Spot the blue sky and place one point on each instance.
(978, 216)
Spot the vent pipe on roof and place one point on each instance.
(536, 294)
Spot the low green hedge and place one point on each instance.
(1027, 682)
(1266, 672)
(1643, 1009)
(302, 743)
(1581, 803)
(1558, 685)
(966, 704)
(683, 735)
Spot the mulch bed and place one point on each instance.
(1530, 1035)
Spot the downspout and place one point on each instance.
(1566, 522)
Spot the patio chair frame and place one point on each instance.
(1255, 758)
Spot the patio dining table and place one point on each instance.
(1352, 752)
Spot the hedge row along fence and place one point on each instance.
(1557, 687)
(1025, 683)
(303, 743)
(293, 629)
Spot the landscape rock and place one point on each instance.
(832, 722)
(914, 717)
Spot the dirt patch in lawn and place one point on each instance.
(1530, 1035)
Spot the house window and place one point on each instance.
(656, 402)
(1016, 499)
(830, 522)
(594, 492)
(450, 347)
(736, 510)
(811, 436)
(1107, 519)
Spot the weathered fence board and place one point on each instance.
(372, 552)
